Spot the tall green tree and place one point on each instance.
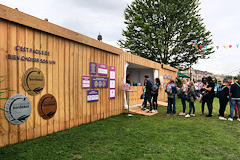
(166, 31)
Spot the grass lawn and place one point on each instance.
(138, 137)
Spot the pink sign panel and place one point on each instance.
(112, 93)
(112, 84)
(102, 69)
(86, 82)
(112, 72)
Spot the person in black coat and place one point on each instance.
(148, 93)
(223, 95)
(234, 98)
(209, 95)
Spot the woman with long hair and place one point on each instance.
(183, 90)
(155, 94)
(191, 98)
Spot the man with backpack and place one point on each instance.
(235, 98)
(148, 93)
(223, 95)
(171, 90)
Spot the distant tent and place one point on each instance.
(182, 75)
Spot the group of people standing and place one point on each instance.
(205, 94)
(150, 94)
(189, 92)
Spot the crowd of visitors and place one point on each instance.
(204, 92)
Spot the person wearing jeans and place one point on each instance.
(233, 102)
(235, 98)
(171, 91)
(171, 108)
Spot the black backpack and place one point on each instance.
(220, 92)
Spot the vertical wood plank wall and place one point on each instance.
(63, 80)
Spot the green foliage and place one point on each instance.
(227, 78)
(238, 76)
(3, 91)
(179, 82)
(138, 138)
(166, 31)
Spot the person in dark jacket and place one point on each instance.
(148, 93)
(234, 98)
(155, 94)
(192, 97)
(203, 92)
(210, 95)
(223, 95)
(171, 92)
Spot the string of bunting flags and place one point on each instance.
(201, 47)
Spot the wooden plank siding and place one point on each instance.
(72, 52)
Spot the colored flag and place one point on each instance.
(196, 46)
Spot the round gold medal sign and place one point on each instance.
(47, 106)
(33, 81)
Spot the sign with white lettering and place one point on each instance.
(92, 96)
(103, 69)
(85, 81)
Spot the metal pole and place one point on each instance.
(129, 115)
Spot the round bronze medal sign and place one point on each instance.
(33, 81)
(47, 106)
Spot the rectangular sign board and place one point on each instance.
(99, 82)
(92, 96)
(85, 81)
(102, 69)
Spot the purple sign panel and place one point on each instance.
(112, 72)
(92, 96)
(93, 68)
(102, 69)
(85, 82)
(99, 82)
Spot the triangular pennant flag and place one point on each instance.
(230, 46)
(212, 47)
(206, 47)
(217, 47)
(200, 47)
(196, 46)
(224, 46)
(237, 45)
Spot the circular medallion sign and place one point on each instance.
(17, 109)
(47, 106)
(33, 81)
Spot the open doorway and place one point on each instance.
(137, 72)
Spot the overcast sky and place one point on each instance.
(89, 17)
